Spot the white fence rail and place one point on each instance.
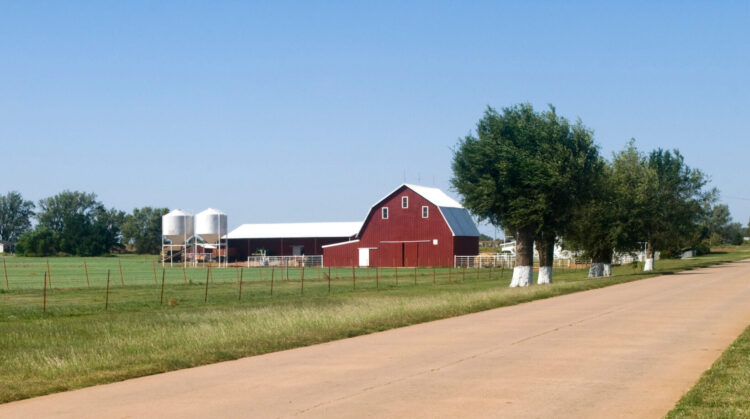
(501, 260)
(291, 261)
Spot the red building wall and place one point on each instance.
(405, 238)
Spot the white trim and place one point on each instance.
(445, 220)
(404, 200)
(405, 241)
(425, 211)
(339, 244)
(384, 213)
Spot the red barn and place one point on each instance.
(411, 226)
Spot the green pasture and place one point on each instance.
(76, 343)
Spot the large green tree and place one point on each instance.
(76, 223)
(525, 171)
(15, 216)
(595, 227)
(674, 202)
(609, 220)
(142, 229)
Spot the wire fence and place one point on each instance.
(64, 286)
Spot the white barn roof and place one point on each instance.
(434, 195)
(295, 230)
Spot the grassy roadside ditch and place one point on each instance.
(42, 354)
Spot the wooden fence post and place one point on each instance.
(49, 275)
(396, 269)
(86, 271)
(106, 298)
(5, 269)
(242, 271)
(415, 275)
(184, 274)
(354, 279)
(302, 286)
(329, 281)
(377, 278)
(153, 268)
(272, 271)
(122, 280)
(163, 276)
(44, 292)
(208, 273)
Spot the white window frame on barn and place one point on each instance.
(404, 202)
(425, 211)
(384, 213)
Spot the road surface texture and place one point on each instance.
(629, 350)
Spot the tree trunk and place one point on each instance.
(545, 246)
(601, 264)
(524, 258)
(649, 266)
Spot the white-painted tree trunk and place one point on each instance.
(596, 270)
(522, 276)
(606, 269)
(545, 275)
(649, 264)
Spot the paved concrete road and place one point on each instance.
(629, 350)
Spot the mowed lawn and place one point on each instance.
(76, 343)
(724, 390)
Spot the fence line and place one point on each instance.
(286, 261)
(503, 260)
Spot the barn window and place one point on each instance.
(384, 213)
(404, 202)
(425, 211)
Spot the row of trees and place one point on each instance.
(541, 177)
(76, 223)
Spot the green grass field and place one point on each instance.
(76, 343)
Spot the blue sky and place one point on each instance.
(311, 111)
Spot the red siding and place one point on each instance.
(405, 238)
(341, 255)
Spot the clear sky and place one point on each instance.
(312, 111)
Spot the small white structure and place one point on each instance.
(211, 226)
(176, 228)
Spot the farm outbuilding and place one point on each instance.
(287, 239)
(411, 226)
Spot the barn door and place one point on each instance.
(411, 254)
(364, 257)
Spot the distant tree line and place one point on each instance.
(76, 223)
(542, 178)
